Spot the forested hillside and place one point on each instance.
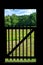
(24, 20)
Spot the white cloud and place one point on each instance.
(19, 11)
(26, 12)
(8, 12)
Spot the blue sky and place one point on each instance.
(19, 12)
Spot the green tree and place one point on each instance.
(7, 21)
(14, 20)
(32, 19)
(25, 20)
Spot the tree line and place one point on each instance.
(24, 20)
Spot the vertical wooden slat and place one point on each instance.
(23, 42)
(8, 41)
(28, 42)
(26, 45)
(34, 43)
(16, 41)
(19, 45)
(12, 41)
(30, 45)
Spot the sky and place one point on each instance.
(18, 12)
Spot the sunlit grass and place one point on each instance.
(21, 60)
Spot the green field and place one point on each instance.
(21, 46)
(21, 60)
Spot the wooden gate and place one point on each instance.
(20, 43)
